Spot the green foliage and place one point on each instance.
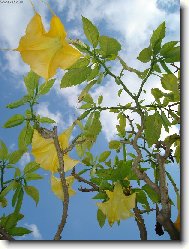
(104, 155)
(90, 31)
(32, 192)
(31, 81)
(151, 193)
(157, 38)
(45, 87)
(152, 135)
(109, 47)
(15, 120)
(19, 102)
(145, 55)
(3, 150)
(101, 218)
(75, 77)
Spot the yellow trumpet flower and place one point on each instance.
(118, 206)
(45, 52)
(45, 153)
(56, 186)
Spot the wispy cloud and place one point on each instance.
(43, 111)
(35, 231)
(24, 160)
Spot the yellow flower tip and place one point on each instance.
(45, 52)
(56, 186)
(45, 152)
(118, 206)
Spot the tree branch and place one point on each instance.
(60, 155)
(140, 223)
(141, 175)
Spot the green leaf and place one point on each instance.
(167, 47)
(33, 176)
(151, 193)
(18, 103)
(7, 189)
(84, 115)
(30, 167)
(141, 198)
(15, 156)
(100, 195)
(19, 231)
(114, 145)
(11, 221)
(101, 218)
(19, 201)
(91, 31)
(17, 173)
(46, 120)
(31, 82)
(170, 52)
(94, 73)
(82, 62)
(157, 37)
(86, 90)
(45, 87)
(166, 122)
(122, 124)
(145, 55)
(156, 68)
(158, 94)
(16, 194)
(100, 99)
(32, 192)
(170, 82)
(164, 66)
(104, 155)
(85, 106)
(109, 46)
(82, 171)
(15, 120)
(25, 137)
(3, 150)
(153, 124)
(75, 77)
(88, 99)
(105, 185)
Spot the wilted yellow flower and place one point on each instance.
(45, 153)
(118, 206)
(47, 51)
(57, 189)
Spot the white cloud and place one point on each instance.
(13, 21)
(24, 160)
(35, 231)
(43, 111)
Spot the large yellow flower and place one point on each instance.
(56, 186)
(118, 206)
(47, 51)
(45, 153)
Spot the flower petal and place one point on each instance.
(45, 152)
(118, 206)
(57, 189)
(56, 28)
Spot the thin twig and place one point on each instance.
(81, 179)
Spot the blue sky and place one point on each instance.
(131, 22)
